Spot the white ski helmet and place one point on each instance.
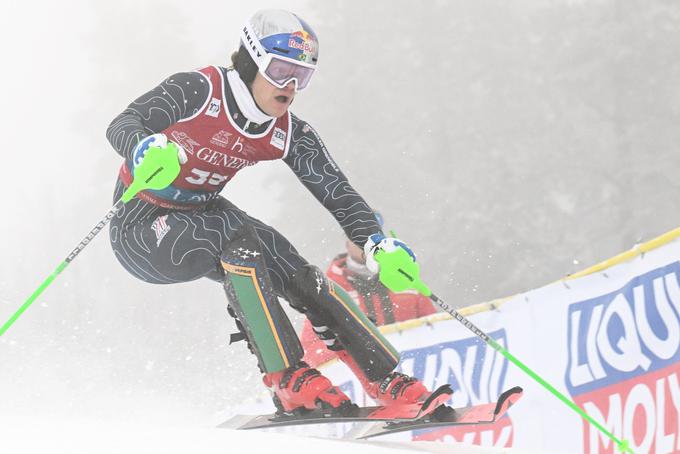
(283, 47)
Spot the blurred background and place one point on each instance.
(509, 143)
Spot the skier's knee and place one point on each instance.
(305, 288)
(245, 234)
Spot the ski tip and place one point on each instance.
(437, 398)
(507, 399)
(443, 389)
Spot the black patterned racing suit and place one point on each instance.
(193, 241)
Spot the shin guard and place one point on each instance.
(330, 309)
(269, 333)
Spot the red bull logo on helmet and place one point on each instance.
(302, 40)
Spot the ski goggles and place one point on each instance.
(280, 71)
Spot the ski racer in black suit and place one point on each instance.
(223, 120)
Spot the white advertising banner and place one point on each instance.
(610, 341)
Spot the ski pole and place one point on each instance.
(157, 170)
(399, 270)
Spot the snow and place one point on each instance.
(75, 437)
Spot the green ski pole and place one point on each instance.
(399, 272)
(157, 170)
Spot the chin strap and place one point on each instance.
(245, 101)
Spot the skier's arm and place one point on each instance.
(311, 163)
(179, 96)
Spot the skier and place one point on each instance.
(221, 120)
(381, 305)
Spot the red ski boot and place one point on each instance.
(397, 389)
(300, 388)
(400, 394)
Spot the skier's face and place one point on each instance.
(272, 100)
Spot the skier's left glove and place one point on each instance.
(380, 243)
(395, 262)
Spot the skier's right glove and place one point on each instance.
(157, 141)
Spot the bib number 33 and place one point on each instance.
(201, 177)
